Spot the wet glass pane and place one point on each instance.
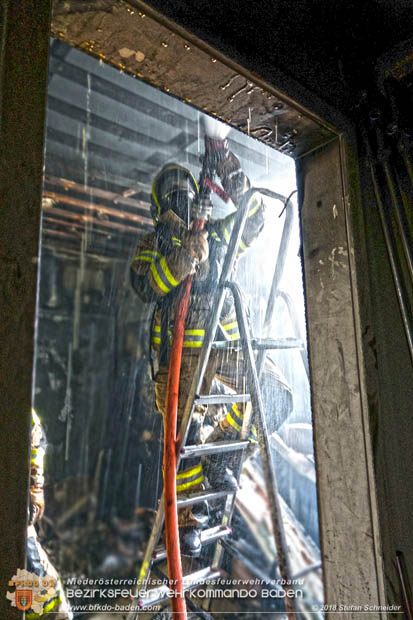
(103, 337)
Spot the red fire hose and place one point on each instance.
(173, 551)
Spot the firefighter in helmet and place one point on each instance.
(52, 600)
(163, 259)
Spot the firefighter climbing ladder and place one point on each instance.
(254, 367)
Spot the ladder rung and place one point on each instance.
(260, 343)
(156, 595)
(222, 399)
(279, 343)
(207, 536)
(212, 448)
(200, 496)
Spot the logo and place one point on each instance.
(23, 599)
(31, 591)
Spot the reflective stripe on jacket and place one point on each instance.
(193, 338)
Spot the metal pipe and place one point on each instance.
(387, 233)
(96, 192)
(404, 151)
(100, 208)
(407, 243)
(405, 584)
(393, 265)
(307, 570)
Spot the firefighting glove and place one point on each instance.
(36, 505)
(233, 180)
(196, 245)
(216, 151)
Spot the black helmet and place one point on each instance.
(174, 187)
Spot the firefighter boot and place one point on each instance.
(218, 470)
(192, 518)
(218, 467)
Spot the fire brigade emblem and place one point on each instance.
(31, 591)
(23, 599)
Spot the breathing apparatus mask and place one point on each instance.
(174, 188)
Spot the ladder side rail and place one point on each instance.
(245, 336)
(230, 502)
(278, 272)
(296, 326)
(264, 445)
(150, 547)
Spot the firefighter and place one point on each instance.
(38, 561)
(163, 259)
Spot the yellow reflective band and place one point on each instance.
(189, 472)
(215, 236)
(237, 411)
(158, 280)
(187, 485)
(48, 607)
(231, 421)
(229, 326)
(242, 246)
(176, 241)
(196, 344)
(35, 418)
(154, 196)
(52, 604)
(146, 255)
(167, 273)
(195, 332)
(254, 209)
(144, 568)
(157, 328)
(238, 427)
(226, 233)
